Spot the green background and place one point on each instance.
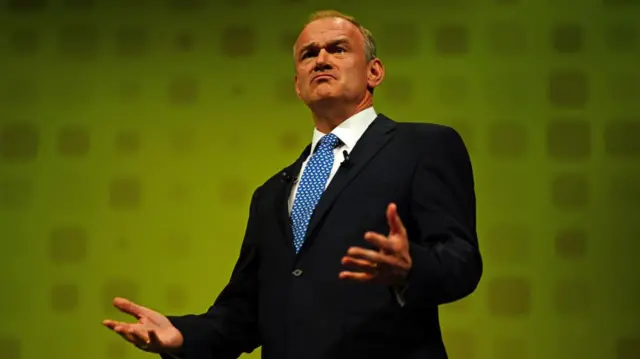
(133, 132)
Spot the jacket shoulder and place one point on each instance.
(425, 129)
(427, 133)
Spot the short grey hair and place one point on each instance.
(370, 52)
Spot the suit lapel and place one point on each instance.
(288, 178)
(372, 141)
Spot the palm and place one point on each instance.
(390, 263)
(152, 332)
(168, 335)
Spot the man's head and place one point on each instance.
(335, 63)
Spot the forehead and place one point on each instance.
(328, 29)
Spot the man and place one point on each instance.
(348, 251)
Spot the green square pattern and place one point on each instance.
(128, 154)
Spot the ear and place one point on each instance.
(295, 79)
(376, 73)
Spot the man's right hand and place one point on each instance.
(152, 333)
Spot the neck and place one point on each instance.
(327, 116)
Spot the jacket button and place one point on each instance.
(297, 272)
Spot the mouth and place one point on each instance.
(322, 78)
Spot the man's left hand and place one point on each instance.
(390, 264)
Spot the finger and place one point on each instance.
(126, 337)
(111, 324)
(356, 276)
(133, 333)
(360, 264)
(388, 260)
(140, 338)
(140, 334)
(394, 221)
(130, 307)
(123, 330)
(379, 241)
(369, 255)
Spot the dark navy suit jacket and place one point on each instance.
(296, 307)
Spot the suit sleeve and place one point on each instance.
(230, 326)
(447, 264)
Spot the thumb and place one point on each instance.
(394, 221)
(130, 307)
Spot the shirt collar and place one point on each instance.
(350, 130)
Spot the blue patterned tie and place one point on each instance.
(312, 184)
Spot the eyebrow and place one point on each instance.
(310, 45)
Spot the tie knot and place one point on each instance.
(329, 141)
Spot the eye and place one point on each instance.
(338, 49)
(309, 53)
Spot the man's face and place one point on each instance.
(330, 62)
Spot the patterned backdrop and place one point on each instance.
(132, 133)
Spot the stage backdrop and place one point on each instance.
(132, 134)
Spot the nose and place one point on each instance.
(323, 55)
(322, 61)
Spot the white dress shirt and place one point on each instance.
(349, 132)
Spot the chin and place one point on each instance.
(324, 99)
(319, 102)
(322, 94)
